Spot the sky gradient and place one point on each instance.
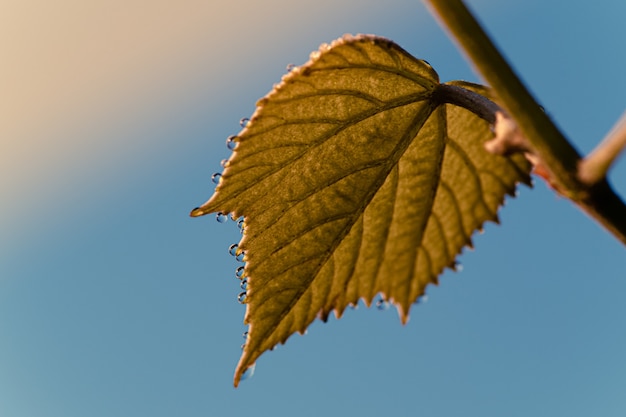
(114, 115)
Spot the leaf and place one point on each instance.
(355, 181)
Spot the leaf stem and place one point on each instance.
(556, 154)
(474, 102)
(507, 139)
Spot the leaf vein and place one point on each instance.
(416, 124)
(474, 170)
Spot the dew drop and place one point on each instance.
(221, 217)
(421, 299)
(243, 345)
(244, 284)
(216, 178)
(291, 67)
(242, 297)
(249, 372)
(244, 121)
(232, 249)
(240, 224)
(231, 142)
(458, 267)
(239, 272)
(426, 62)
(382, 304)
(224, 163)
(240, 257)
(245, 334)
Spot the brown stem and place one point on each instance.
(478, 104)
(507, 139)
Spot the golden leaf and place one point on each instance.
(353, 181)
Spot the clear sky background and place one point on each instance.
(113, 302)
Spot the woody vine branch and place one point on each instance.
(583, 181)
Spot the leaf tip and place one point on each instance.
(403, 312)
(206, 208)
(197, 212)
(323, 315)
(245, 370)
(239, 372)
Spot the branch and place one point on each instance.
(594, 167)
(556, 154)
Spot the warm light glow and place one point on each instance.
(78, 79)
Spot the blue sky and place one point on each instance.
(114, 302)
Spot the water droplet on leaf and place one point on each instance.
(244, 284)
(239, 272)
(242, 297)
(231, 142)
(244, 121)
(382, 304)
(240, 256)
(224, 163)
(221, 217)
(232, 249)
(245, 334)
(421, 299)
(291, 67)
(216, 178)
